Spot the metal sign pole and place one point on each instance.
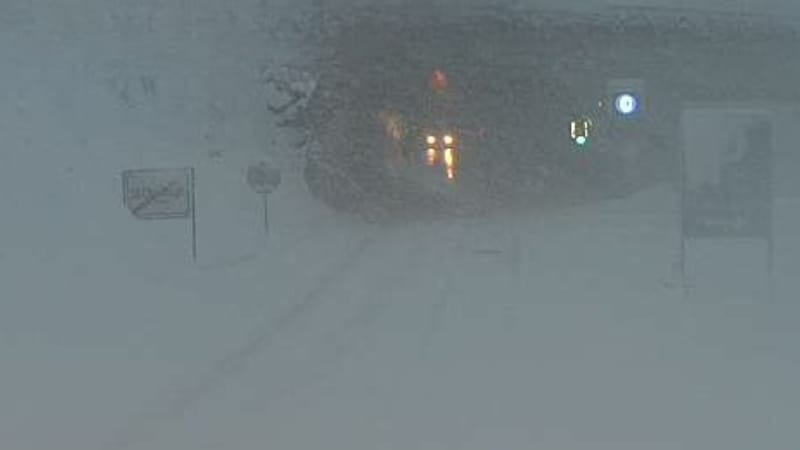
(194, 217)
(771, 225)
(771, 266)
(266, 213)
(682, 217)
(684, 283)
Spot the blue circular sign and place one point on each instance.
(626, 104)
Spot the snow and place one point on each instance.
(521, 330)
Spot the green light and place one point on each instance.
(581, 140)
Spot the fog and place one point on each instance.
(222, 228)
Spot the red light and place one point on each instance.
(439, 81)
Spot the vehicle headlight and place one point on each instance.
(430, 156)
(449, 158)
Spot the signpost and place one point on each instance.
(152, 194)
(727, 176)
(264, 179)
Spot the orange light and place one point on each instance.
(448, 139)
(431, 140)
(450, 163)
(430, 156)
(449, 158)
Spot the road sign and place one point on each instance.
(627, 97)
(626, 103)
(158, 193)
(727, 175)
(263, 178)
(161, 194)
(728, 171)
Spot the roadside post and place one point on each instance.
(264, 179)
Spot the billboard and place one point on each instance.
(727, 187)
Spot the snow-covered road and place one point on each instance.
(519, 330)
(512, 331)
(507, 332)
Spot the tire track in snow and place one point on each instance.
(355, 333)
(175, 404)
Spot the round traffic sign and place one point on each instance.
(263, 178)
(626, 104)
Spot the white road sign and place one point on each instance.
(161, 194)
(158, 193)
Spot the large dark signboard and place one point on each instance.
(727, 174)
